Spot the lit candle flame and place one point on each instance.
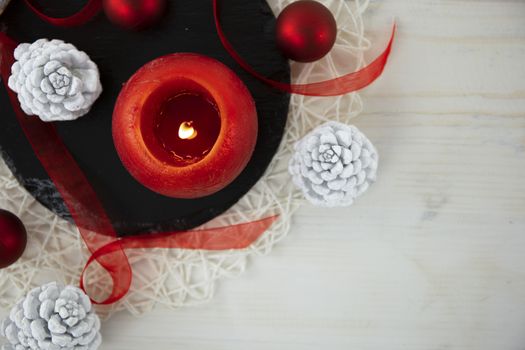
(187, 131)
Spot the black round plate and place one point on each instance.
(187, 27)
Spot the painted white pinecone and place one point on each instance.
(334, 164)
(54, 80)
(52, 317)
(3, 5)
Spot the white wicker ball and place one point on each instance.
(334, 164)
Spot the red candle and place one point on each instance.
(185, 126)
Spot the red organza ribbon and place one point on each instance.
(89, 10)
(221, 238)
(334, 87)
(94, 225)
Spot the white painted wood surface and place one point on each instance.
(433, 256)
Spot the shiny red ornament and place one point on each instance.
(306, 31)
(13, 238)
(134, 14)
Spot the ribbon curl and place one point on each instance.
(87, 12)
(88, 213)
(334, 87)
(239, 236)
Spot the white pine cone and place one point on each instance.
(3, 5)
(52, 317)
(334, 164)
(54, 80)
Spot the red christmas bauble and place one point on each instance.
(13, 238)
(134, 14)
(306, 31)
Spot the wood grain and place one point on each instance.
(432, 258)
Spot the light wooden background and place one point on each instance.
(433, 257)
